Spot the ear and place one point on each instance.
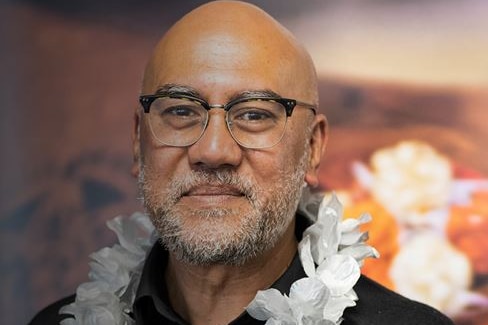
(318, 143)
(136, 144)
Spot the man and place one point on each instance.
(226, 139)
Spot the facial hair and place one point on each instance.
(222, 235)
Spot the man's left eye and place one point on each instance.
(253, 114)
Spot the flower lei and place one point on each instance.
(331, 253)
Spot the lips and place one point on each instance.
(206, 196)
(214, 190)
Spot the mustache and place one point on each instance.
(216, 178)
(179, 186)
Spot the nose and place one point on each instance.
(216, 148)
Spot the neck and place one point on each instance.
(217, 294)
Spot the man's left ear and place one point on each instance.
(318, 143)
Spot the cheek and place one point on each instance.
(160, 162)
(294, 143)
(288, 156)
(164, 162)
(270, 167)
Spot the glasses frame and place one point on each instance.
(288, 103)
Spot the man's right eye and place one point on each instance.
(179, 117)
(179, 112)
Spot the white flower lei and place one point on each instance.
(331, 253)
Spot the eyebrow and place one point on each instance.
(266, 93)
(177, 89)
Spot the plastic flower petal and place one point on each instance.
(270, 304)
(335, 307)
(339, 273)
(331, 253)
(133, 232)
(360, 252)
(306, 258)
(96, 306)
(324, 233)
(312, 293)
(350, 230)
(114, 274)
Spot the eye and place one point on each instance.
(176, 114)
(256, 117)
(252, 114)
(179, 112)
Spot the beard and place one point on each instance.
(222, 235)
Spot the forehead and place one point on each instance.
(221, 62)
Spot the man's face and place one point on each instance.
(215, 201)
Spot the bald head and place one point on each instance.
(227, 46)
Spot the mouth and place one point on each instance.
(212, 194)
(213, 190)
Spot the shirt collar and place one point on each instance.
(152, 300)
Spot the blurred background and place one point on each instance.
(404, 86)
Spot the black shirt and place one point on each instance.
(376, 306)
(151, 305)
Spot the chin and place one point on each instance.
(216, 236)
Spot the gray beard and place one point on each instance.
(214, 240)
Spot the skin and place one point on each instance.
(221, 49)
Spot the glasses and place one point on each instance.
(180, 120)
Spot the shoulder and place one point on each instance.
(50, 315)
(377, 305)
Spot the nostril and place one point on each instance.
(215, 148)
